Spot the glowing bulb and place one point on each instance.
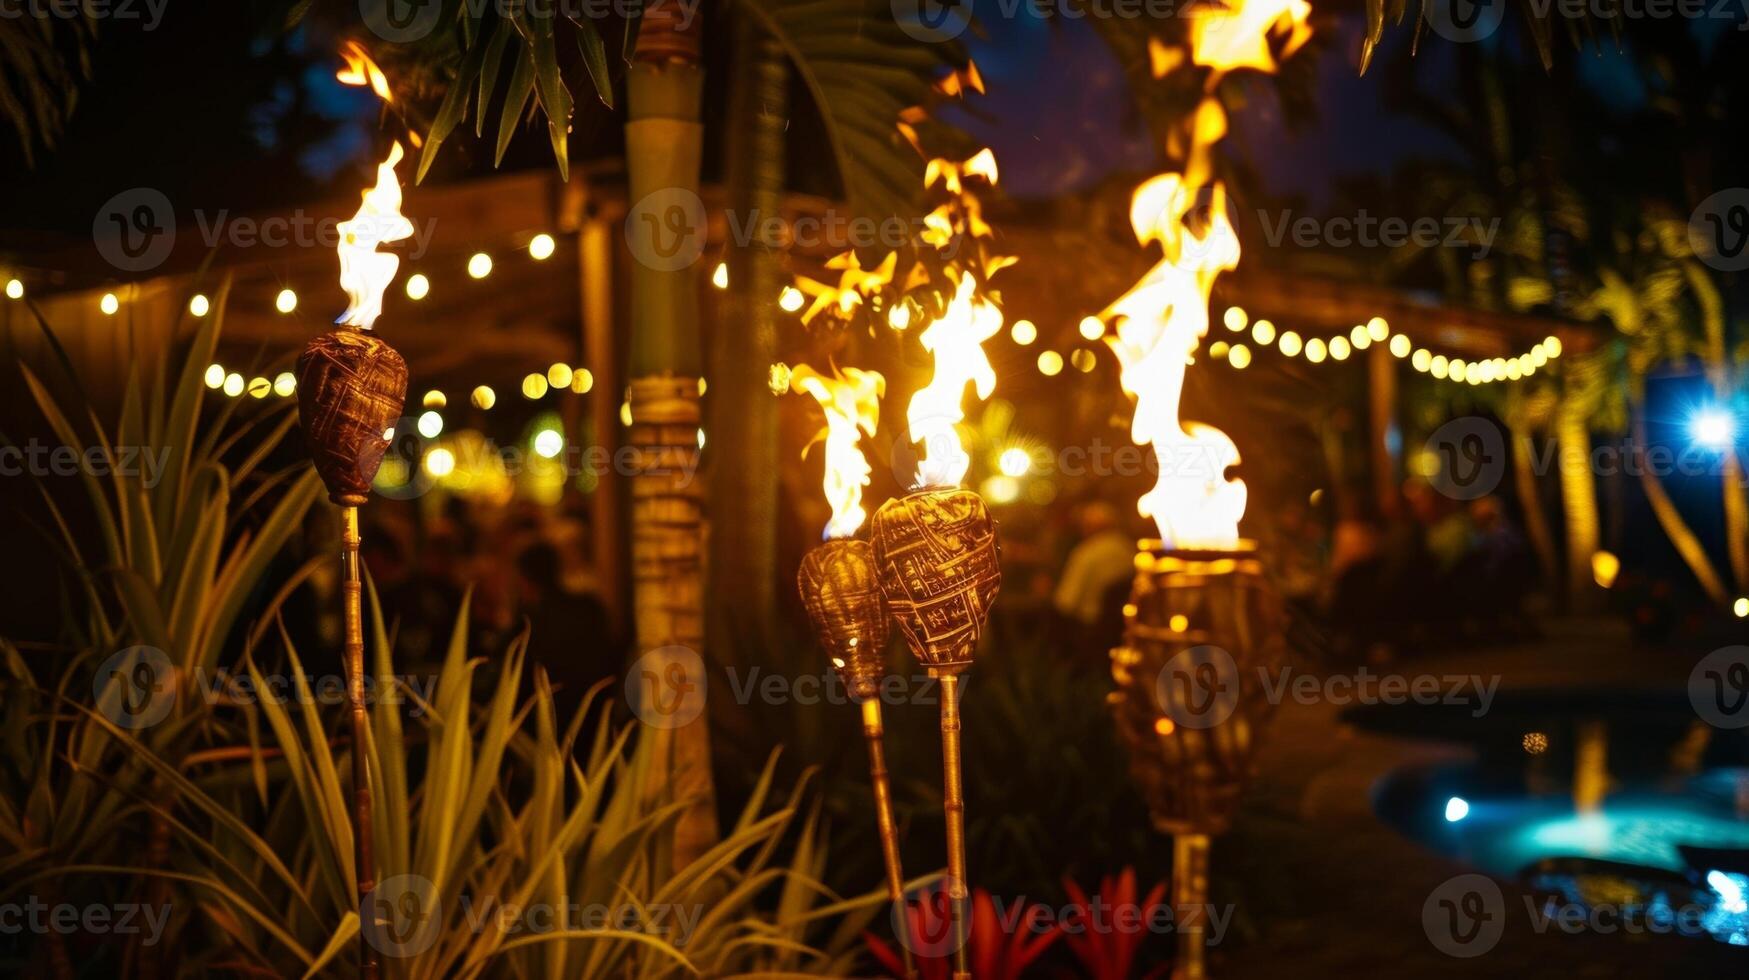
(1083, 360)
(439, 462)
(215, 376)
(540, 247)
(1538, 356)
(430, 425)
(1092, 327)
(534, 386)
(200, 305)
(1014, 462)
(899, 316)
(479, 265)
(1263, 332)
(1339, 348)
(1422, 359)
(14, 289)
(434, 399)
(1605, 566)
(1552, 345)
(1234, 318)
(284, 384)
(233, 384)
(1378, 330)
(1315, 351)
(582, 380)
(1400, 345)
(1239, 357)
(559, 375)
(1360, 338)
(1000, 489)
(1024, 332)
(1440, 366)
(1712, 428)
(1456, 809)
(260, 387)
(286, 301)
(1050, 363)
(1741, 607)
(418, 287)
(109, 304)
(549, 443)
(1290, 343)
(790, 299)
(483, 397)
(720, 275)
(1218, 350)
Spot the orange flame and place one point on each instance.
(852, 403)
(1230, 37)
(360, 71)
(365, 272)
(1163, 317)
(956, 340)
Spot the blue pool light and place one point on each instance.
(1456, 809)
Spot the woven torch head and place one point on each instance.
(351, 386)
(843, 596)
(936, 553)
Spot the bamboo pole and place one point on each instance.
(873, 731)
(953, 807)
(352, 588)
(1190, 884)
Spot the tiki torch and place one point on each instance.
(351, 386)
(936, 554)
(843, 597)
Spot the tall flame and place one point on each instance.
(956, 340)
(365, 272)
(1162, 318)
(852, 403)
(361, 71)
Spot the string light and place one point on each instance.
(1315, 351)
(1234, 319)
(1360, 338)
(286, 301)
(215, 376)
(200, 305)
(549, 443)
(1422, 359)
(1084, 360)
(14, 289)
(483, 397)
(284, 384)
(559, 375)
(1263, 332)
(439, 462)
(582, 380)
(418, 287)
(1092, 328)
(1378, 329)
(109, 304)
(1290, 343)
(479, 265)
(1339, 348)
(720, 275)
(233, 384)
(1399, 344)
(1050, 363)
(260, 387)
(791, 299)
(1024, 332)
(1239, 357)
(435, 399)
(534, 386)
(540, 247)
(430, 425)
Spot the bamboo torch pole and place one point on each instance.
(352, 587)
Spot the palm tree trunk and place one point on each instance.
(1579, 499)
(664, 139)
(743, 413)
(1718, 370)
(1670, 519)
(1536, 522)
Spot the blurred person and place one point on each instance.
(1096, 577)
(569, 632)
